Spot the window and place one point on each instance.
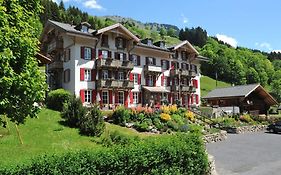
(104, 97)
(121, 97)
(135, 78)
(105, 74)
(162, 45)
(135, 97)
(104, 41)
(119, 43)
(104, 54)
(184, 66)
(66, 55)
(176, 81)
(150, 80)
(87, 53)
(135, 59)
(183, 55)
(176, 97)
(121, 75)
(185, 81)
(149, 42)
(194, 98)
(66, 76)
(164, 66)
(88, 96)
(87, 75)
(150, 61)
(186, 99)
(121, 56)
(84, 29)
(165, 83)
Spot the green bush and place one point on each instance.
(56, 99)
(73, 111)
(117, 137)
(121, 116)
(92, 124)
(142, 126)
(170, 154)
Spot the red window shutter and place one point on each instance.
(139, 97)
(197, 99)
(93, 53)
(100, 53)
(169, 97)
(82, 95)
(93, 74)
(109, 54)
(139, 78)
(126, 98)
(110, 96)
(82, 52)
(196, 84)
(131, 77)
(162, 80)
(192, 99)
(168, 81)
(131, 97)
(82, 72)
(94, 95)
(138, 60)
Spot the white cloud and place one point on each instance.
(276, 51)
(93, 4)
(227, 39)
(184, 19)
(264, 46)
(58, 1)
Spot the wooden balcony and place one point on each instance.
(113, 83)
(152, 69)
(183, 88)
(55, 65)
(187, 73)
(55, 45)
(113, 63)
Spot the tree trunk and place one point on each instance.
(19, 136)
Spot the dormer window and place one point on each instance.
(149, 42)
(84, 29)
(162, 45)
(120, 43)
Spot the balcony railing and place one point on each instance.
(54, 46)
(55, 65)
(113, 83)
(114, 63)
(153, 68)
(183, 88)
(177, 72)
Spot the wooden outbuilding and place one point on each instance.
(252, 98)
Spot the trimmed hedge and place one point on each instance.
(56, 99)
(170, 154)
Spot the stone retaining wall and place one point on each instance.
(210, 138)
(245, 129)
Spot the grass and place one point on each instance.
(208, 84)
(45, 135)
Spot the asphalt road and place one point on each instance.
(248, 154)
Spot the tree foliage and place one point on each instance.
(21, 82)
(196, 36)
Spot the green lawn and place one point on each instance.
(208, 84)
(45, 135)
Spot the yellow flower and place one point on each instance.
(173, 108)
(190, 116)
(165, 109)
(165, 117)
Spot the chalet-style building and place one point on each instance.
(251, 98)
(111, 66)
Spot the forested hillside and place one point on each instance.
(232, 65)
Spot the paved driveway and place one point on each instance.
(251, 154)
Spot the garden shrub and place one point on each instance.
(73, 111)
(173, 125)
(170, 154)
(121, 116)
(142, 126)
(56, 99)
(246, 118)
(118, 138)
(92, 124)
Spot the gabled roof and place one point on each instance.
(69, 28)
(182, 44)
(117, 25)
(153, 47)
(241, 91)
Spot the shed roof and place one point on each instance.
(241, 91)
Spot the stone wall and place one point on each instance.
(210, 138)
(245, 129)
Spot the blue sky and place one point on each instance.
(248, 23)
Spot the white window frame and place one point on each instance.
(135, 97)
(119, 43)
(165, 83)
(150, 61)
(194, 98)
(121, 100)
(84, 29)
(120, 75)
(136, 78)
(165, 65)
(87, 75)
(135, 59)
(88, 96)
(149, 42)
(105, 74)
(105, 100)
(121, 56)
(104, 54)
(87, 53)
